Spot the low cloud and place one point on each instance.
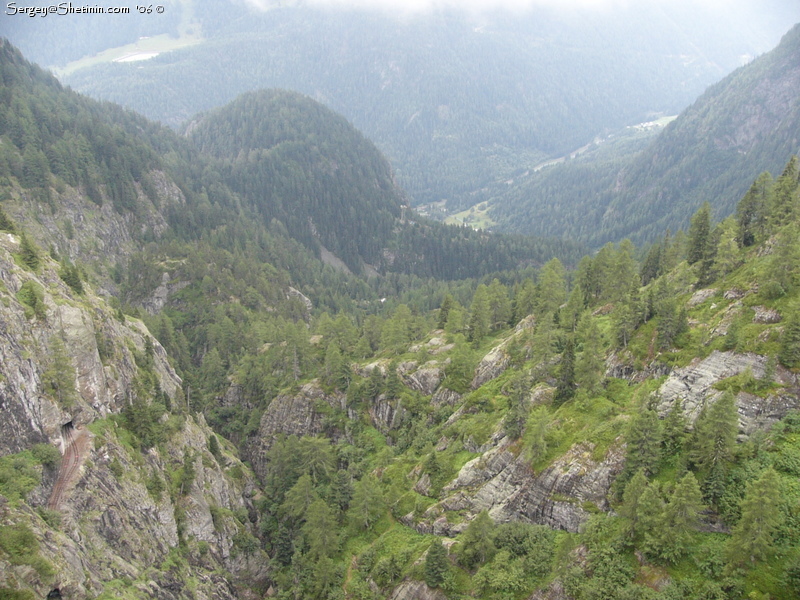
(426, 5)
(413, 6)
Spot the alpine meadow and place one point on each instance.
(338, 300)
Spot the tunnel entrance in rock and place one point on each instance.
(67, 429)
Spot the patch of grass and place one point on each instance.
(18, 475)
(19, 543)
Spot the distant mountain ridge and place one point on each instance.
(746, 124)
(455, 101)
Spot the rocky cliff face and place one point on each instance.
(501, 482)
(98, 235)
(300, 413)
(693, 387)
(124, 519)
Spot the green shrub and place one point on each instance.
(31, 295)
(18, 475)
(20, 544)
(46, 455)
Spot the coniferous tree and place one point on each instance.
(789, 353)
(444, 311)
(752, 211)
(651, 266)
(317, 457)
(58, 379)
(6, 224)
(394, 385)
(320, 530)
(650, 510)
(335, 368)
(524, 300)
(624, 272)
(753, 537)
(477, 545)
(714, 436)
(499, 305)
(367, 504)
(437, 565)
(674, 429)
(590, 363)
(643, 444)
(699, 235)
(631, 497)
(29, 254)
(299, 498)
(727, 254)
(571, 313)
(785, 198)
(681, 517)
(552, 289)
(458, 373)
(565, 389)
(672, 323)
(479, 317)
(70, 275)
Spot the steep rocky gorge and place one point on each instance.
(69, 368)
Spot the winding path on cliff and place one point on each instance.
(75, 442)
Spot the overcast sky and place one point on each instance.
(513, 5)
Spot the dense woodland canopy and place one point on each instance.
(698, 509)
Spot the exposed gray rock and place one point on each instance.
(112, 527)
(619, 365)
(504, 485)
(528, 322)
(728, 317)
(734, 294)
(386, 413)
(27, 414)
(554, 591)
(491, 366)
(292, 414)
(445, 396)
(700, 296)
(693, 386)
(425, 379)
(89, 233)
(766, 315)
(293, 293)
(416, 590)
(423, 486)
(760, 413)
(160, 296)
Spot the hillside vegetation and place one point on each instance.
(613, 428)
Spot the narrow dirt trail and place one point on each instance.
(71, 461)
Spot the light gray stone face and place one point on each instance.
(693, 387)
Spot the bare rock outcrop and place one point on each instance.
(424, 379)
(416, 590)
(502, 483)
(85, 327)
(693, 387)
(491, 366)
(297, 414)
(117, 516)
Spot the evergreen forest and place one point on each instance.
(317, 393)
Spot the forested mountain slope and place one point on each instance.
(623, 430)
(745, 124)
(456, 101)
